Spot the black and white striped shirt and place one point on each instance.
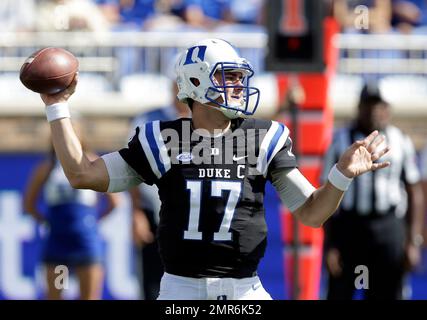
(380, 192)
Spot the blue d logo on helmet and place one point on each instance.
(196, 69)
(195, 54)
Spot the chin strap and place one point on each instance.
(230, 113)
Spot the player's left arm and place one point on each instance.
(312, 207)
(359, 158)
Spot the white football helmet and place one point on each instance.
(196, 67)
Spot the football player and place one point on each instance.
(211, 170)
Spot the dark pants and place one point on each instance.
(152, 267)
(377, 244)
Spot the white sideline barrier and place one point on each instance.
(147, 90)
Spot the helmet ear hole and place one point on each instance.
(195, 82)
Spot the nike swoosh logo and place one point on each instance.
(235, 158)
(255, 286)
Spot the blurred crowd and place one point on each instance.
(353, 16)
(101, 16)
(147, 15)
(403, 16)
(382, 16)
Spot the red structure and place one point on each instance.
(315, 126)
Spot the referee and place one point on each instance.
(379, 223)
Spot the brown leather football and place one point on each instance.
(49, 70)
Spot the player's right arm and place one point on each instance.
(81, 172)
(113, 172)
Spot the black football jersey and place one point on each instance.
(212, 218)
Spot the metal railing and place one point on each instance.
(152, 51)
(110, 57)
(121, 53)
(382, 54)
(114, 55)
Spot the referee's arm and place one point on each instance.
(424, 182)
(415, 213)
(414, 189)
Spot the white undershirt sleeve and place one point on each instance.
(293, 188)
(122, 176)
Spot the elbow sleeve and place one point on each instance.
(293, 188)
(122, 176)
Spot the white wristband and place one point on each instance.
(339, 180)
(57, 111)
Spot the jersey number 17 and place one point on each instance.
(217, 187)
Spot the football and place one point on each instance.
(49, 70)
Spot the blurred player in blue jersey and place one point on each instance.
(71, 218)
(211, 170)
(146, 204)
